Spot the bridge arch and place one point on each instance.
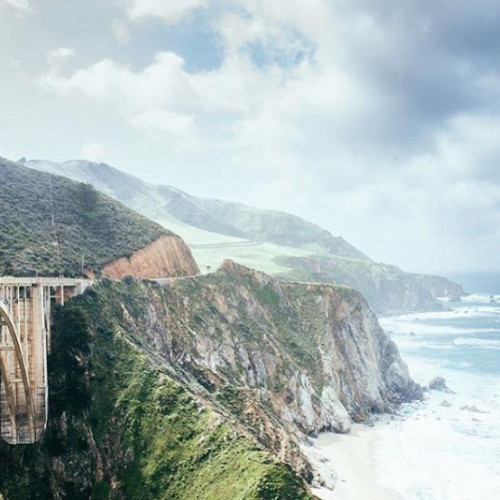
(12, 403)
(25, 337)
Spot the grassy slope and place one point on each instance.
(120, 426)
(37, 210)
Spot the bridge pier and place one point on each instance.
(25, 332)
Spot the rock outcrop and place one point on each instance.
(165, 257)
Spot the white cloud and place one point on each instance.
(21, 7)
(161, 124)
(155, 100)
(330, 118)
(169, 10)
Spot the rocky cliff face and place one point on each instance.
(440, 287)
(387, 289)
(203, 388)
(163, 258)
(312, 354)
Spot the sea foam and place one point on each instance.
(448, 447)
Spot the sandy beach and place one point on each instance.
(347, 461)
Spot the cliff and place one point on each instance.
(203, 388)
(121, 425)
(165, 257)
(313, 354)
(387, 289)
(440, 287)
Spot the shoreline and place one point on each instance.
(346, 462)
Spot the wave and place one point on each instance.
(415, 330)
(474, 342)
(480, 298)
(464, 311)
(429, 452)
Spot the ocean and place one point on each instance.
(448, 447)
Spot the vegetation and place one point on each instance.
(53, 226)
(121, 427)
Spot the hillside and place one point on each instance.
(224, 218)
(202, 389)
(51, 225)
(277, 243)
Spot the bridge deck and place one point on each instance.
(36, 280)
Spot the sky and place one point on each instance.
(379, 121)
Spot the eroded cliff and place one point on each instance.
(314, 355)
(203, 388)
(163, 258)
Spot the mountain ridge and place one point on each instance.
(204, 213)
(282, 244)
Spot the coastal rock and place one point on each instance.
(439, 384)
(387, 289)
(472, 409)
(441, 287)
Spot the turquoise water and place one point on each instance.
(469, 337)
(448, 447)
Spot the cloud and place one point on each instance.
(120, 31)
(161, 124)
(387, 110)
(342, 80)
(171, 11)
(21, 7)
(155, 100)
(57, 56)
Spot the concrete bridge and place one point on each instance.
(25, 329)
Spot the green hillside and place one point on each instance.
(120, 427)
(202, 389)
(51, 225)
